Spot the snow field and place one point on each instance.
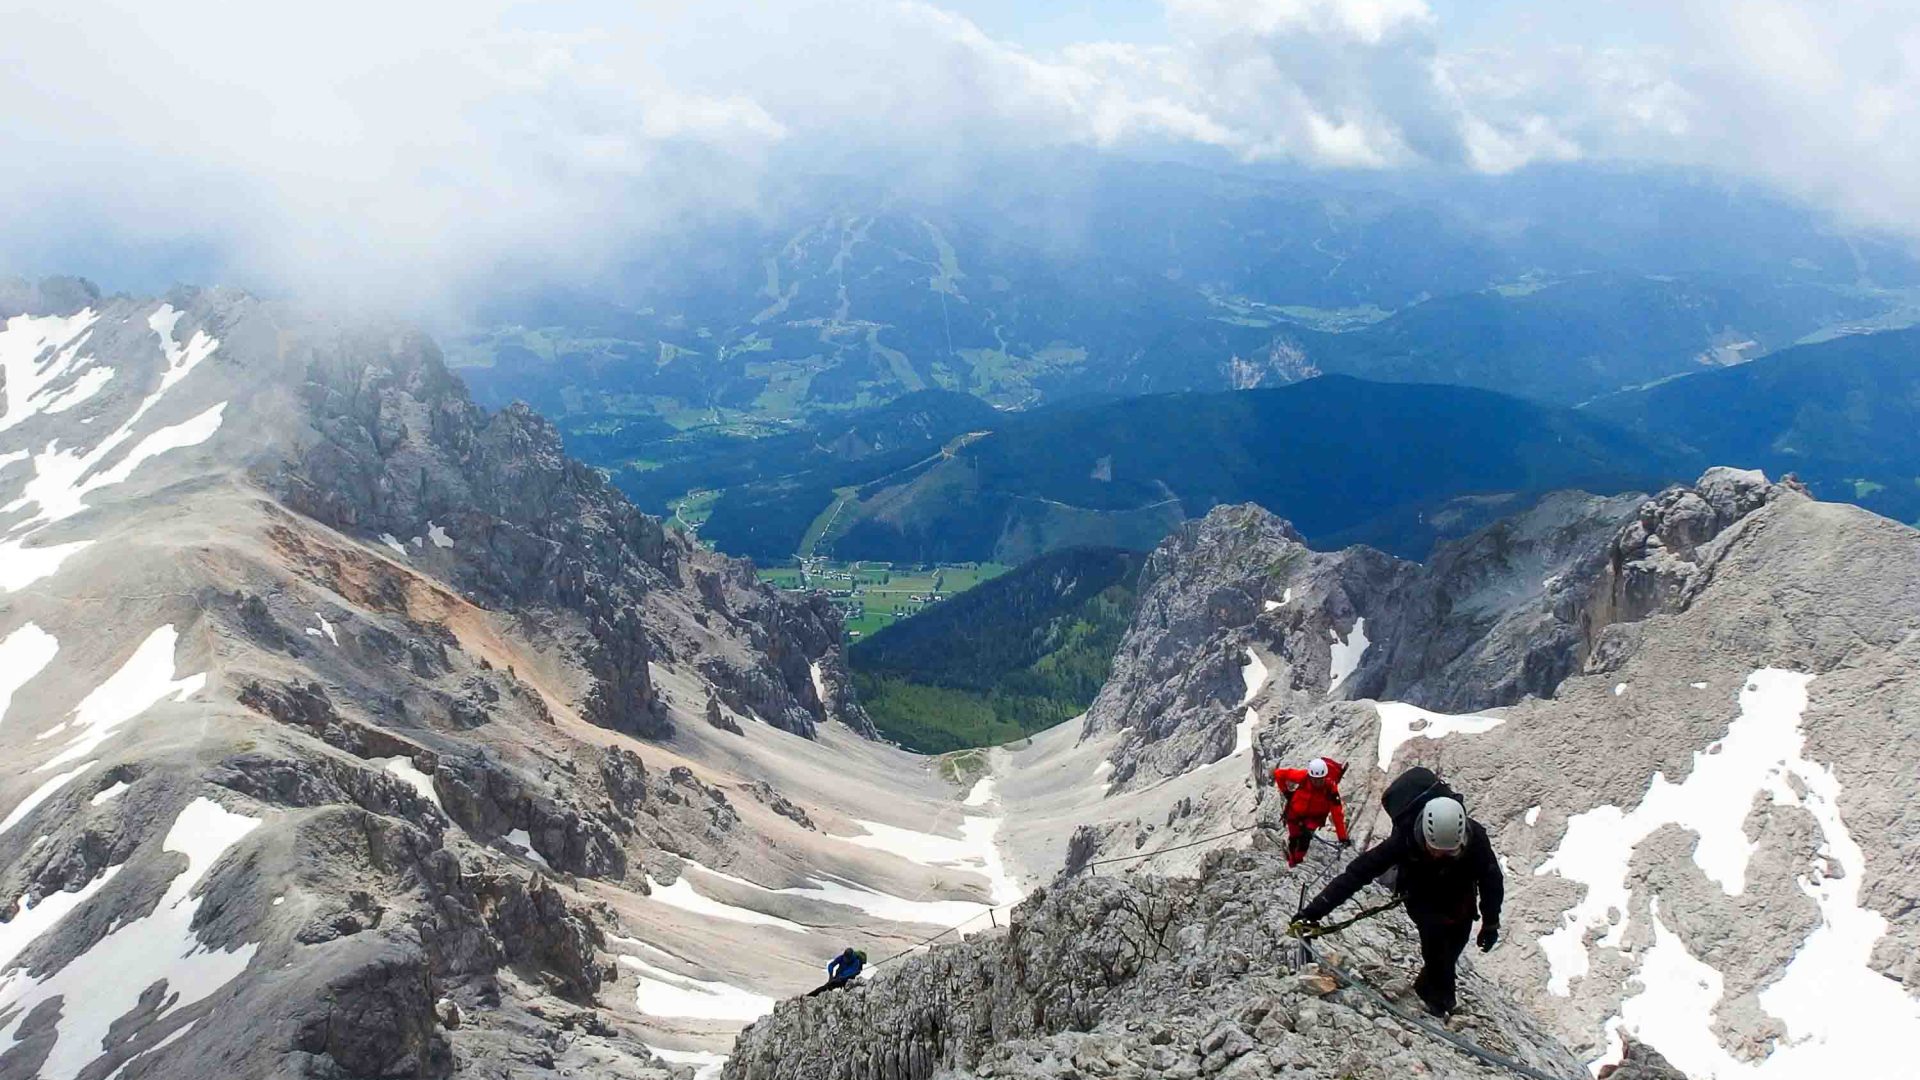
(706, 1063)
(403, 768)
(106, 982)
(1400, 722)
(41, 794)
(662, 993)
(23, 654)
(118, 789)
(61, 480)
(1346, 653)
(682, 895)
(145, 680)
(37, 352)
(521, 842)
(1842, 1017)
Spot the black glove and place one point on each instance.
(1346, 841)
(1489, 933)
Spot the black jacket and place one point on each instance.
(1436, 889)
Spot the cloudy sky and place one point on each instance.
(384, 141)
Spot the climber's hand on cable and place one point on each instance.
(1346, 841)
(1489, 933)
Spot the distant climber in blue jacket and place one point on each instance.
(843, 969)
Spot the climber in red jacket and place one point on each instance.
(1312, 794)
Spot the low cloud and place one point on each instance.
(398, 150)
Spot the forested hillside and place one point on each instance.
(1009, 657)
(1335, 455)
(1843, 414)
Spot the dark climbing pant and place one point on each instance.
(1299, 839)
(832, 984)
(1441, 943)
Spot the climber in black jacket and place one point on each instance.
(1444, 860)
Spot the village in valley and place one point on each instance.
(872, 594)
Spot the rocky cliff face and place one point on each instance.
(1687, 720)
(1137, 976)
(1505, 613)
(319, 690)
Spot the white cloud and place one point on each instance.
(404, 145)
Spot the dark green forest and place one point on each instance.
(1005, 659)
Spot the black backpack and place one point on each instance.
(1412, 790)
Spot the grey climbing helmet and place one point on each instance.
(1443, 826)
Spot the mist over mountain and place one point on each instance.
(1135, 277)
(532, 535)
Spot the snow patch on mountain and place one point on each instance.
(662, 993)
(23, 654)
(41, 794)
(107, 982)
(403, 768)
(29, 920)
(1345, 653)
(706, 1064)
(682, 895)
(976, 849)
(518, 840)
(883, 905)
(1842, 1017)
(819, 682)
(1254, 675)
(36, 353)
(1400, 723)
(61, 480)
(325, 630)
(109, 794)
(145, 680)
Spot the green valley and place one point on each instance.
(876, 595)
(1020, 653)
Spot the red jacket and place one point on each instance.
(1310, 801)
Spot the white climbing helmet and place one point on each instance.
(1443, 825)
(1317, 768)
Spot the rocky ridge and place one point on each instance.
(382, 655)
(1137, 975)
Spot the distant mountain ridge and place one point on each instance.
(1334, 454)
(1842, 414)
(1138, 278)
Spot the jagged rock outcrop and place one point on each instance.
(1628, 689)
(1508, 612)
(317, 689)
(1238, 577)
(1139, 976)
(494, 503)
